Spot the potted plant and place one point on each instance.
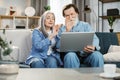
(47, 8)
(5, 49)
(111, 20)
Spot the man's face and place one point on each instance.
(70, 14)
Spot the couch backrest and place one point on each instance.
(107, 39)
(21, 39)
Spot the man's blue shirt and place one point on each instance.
(80, 27)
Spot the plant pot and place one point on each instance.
(111, 30)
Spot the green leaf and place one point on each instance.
(3, 31)
(111, 20)
(3, 43)
(47, 8)
(5, 46)
(7, 51)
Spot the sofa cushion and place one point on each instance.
(114, 48)
(113, 54)
(112, 57)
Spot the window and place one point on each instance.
(56, 7)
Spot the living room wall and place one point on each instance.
(116, 24)
(18, 5)
(94, 16)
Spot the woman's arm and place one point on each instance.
(39, 41)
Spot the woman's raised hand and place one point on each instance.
(57, 27)
(55, 31)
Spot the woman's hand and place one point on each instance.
(55, 31)
(57, 27)
(89, 49)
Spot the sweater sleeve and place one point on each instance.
(39, 41)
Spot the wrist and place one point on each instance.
(50, 37)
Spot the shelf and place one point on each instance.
(107, 1)
(18, 17)
(13, 18)
(105, 17)
(101, 8)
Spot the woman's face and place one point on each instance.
(49, 20)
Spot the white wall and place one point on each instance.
(94, 19)
(94, 14)
(116, 24)
(19, 5)
(56, 7)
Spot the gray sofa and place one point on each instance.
(106, 39)
(22, 39)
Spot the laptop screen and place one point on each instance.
(75, 41)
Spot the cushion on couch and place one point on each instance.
(113, 54)
(112, 57)
(114, 48)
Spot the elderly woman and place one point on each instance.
(43, 53)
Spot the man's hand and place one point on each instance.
(89, 49)
(69, 24)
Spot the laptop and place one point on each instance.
(75, 41)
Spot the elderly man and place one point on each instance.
(90, 54)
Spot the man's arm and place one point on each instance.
(95, 46)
